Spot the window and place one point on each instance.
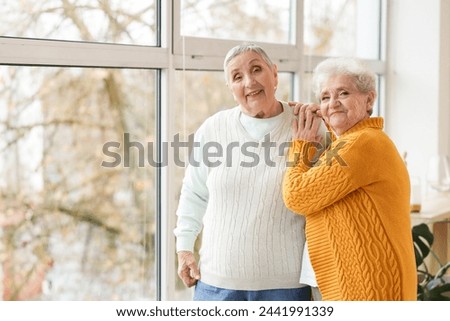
(74, 186)
(342, 28)
(263, 21)
(115, 21)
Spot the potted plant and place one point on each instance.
(430, 287)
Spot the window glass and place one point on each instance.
(77, 195)
(112, 21)
(200, 94)
(264, 21)
(342, 28)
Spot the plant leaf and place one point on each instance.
(423, 240)
(438, 293)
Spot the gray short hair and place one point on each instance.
(236, 51)
(364, 77)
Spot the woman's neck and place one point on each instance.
(275, 110)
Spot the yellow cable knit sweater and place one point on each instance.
(356, 203)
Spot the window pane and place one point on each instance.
(200, 94)
(342, 28)
(113, 21)
(264, 21)
(76, 206)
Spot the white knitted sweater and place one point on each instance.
(251, 241)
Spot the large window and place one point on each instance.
(76, 197)
(92, 93)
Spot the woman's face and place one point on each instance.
(253, 84)
(342, 105)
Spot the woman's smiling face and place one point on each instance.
(342, 104)
(253, 83)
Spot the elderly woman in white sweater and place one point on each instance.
(252, 245)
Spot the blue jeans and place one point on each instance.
(205, 292)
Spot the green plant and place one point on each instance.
(430, 287)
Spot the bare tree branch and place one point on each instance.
(86, 216)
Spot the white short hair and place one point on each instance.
(364, 78)
(236, 51)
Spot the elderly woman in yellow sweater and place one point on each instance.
(355, 196)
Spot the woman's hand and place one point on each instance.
(187, 268)
(306, 125)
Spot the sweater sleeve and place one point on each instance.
(339, 171)
(193, 198)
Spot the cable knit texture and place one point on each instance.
(356, 203)
(251, 241)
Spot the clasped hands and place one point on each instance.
(306, 125)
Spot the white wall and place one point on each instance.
(445, 76)
(418, 79)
